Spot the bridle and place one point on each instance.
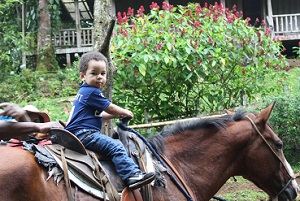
(284, 165)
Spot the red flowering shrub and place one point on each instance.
(190, 59)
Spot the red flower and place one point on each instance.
(140, 11)
(119, 18)
(154, 6)
(198, 8)
(234, 7)
(167, 6)
(244, 71)
(130, 11)
(158, 46)
(248, 19)
(182, 32)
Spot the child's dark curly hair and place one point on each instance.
(85, 58)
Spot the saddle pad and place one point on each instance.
(83, 166)
(78, 180)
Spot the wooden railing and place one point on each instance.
(286, 24)
(70, 38)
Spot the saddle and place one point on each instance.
(95, 173)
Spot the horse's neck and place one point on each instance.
(204, 163)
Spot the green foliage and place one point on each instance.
(11, 41)
(55, 15)
(31, 85)
(285, 116)
(180, 61)
(297, 50)
(10, 36)
(285, 119)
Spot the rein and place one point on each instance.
(284, 165)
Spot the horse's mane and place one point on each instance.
(158, 141)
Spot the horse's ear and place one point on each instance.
(263, 117)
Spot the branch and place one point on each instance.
(104, 48)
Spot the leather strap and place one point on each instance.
(146, 190)
(109, 187)
(66, 174)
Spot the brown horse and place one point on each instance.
(204, 153)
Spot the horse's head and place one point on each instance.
(271, 171)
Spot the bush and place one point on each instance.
(285, 116)
(181, 61)
(30, 85)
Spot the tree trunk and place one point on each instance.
(103, 27)
(45, 50)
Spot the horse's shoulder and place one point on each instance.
(16, 159)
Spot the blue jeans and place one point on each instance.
(105, 145)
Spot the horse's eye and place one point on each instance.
(278, 145)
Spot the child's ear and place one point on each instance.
(81, 75)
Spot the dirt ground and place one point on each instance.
(294, 62)
(231, 186)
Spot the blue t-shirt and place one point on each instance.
(88, 105)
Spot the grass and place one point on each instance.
(57, 109)
(240, 189)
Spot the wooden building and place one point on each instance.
(282, 16)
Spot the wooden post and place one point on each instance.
(77, 21)
(270, 12)
(270, 16)
(23, 34)
(68, 58)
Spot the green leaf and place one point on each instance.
(188, 50)
(167, 59)
(169, 46)
(146, 58)
(142, 69)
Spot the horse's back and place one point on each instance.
(21, 178)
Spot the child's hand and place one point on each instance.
(127, 113)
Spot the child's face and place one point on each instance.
(96, 74)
